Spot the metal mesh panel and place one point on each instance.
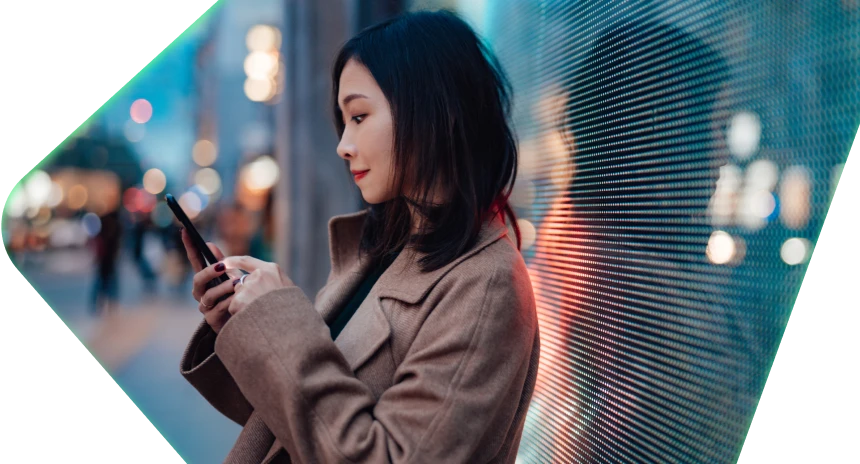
(677, 162)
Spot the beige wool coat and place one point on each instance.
(433, 367)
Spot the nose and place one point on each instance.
(346, 149)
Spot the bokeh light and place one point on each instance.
(91, 224)
(721, 247)
(794, 195)
(129, 200)
(137, 200)
(154, 181)
(43, 215)
(261, 65)
(141, 111)
(795, 251)
(744, 134)
(263, 37)
(764, 204)
(208, 180)
(56, 195)
(191, 204)
(528, 233)
(260, 174)
(145, 201)
(17, 203)
(77, 196)
(68, 233)
(107, 186)
(260, 90)
(725, 198)
(204, 153)
(757, 201)
(38, 188)
(203, 196)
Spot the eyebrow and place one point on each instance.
(352, 97)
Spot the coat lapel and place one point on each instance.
(347, 268)
(368, 329)
(404, 280)
(365, 333)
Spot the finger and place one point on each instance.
(248, 279)
(247, 263)
(222, 312)
(217, 316)
(213, 294)
(191, 251)
(202, 278)
(236, 303)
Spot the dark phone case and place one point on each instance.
(204, 254)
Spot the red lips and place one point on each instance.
(358, 174)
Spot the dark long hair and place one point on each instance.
(450, 103)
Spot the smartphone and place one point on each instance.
(204, 255)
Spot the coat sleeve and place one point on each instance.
(455, 393)
(202, 368)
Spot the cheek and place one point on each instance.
(378, 147)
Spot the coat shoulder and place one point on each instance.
(498, 276)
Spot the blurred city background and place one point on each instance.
(661, 306)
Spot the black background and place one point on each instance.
(58, 408)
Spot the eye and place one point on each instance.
(358, 118)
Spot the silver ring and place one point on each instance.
(205, 305)
(242, 279)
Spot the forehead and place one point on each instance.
(356, 78)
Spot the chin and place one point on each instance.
(370, 198)
(374, 198)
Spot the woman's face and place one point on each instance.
(368, 137)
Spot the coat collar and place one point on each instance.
(404, 279)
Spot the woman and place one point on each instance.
(423, 345)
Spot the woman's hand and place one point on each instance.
(216, 315)
(263, 278)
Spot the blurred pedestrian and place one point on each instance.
(140, 226)
(105, 293)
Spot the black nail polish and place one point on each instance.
(236, 282)
(219, 267)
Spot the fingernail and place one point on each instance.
(236, 282)
(219, 267)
